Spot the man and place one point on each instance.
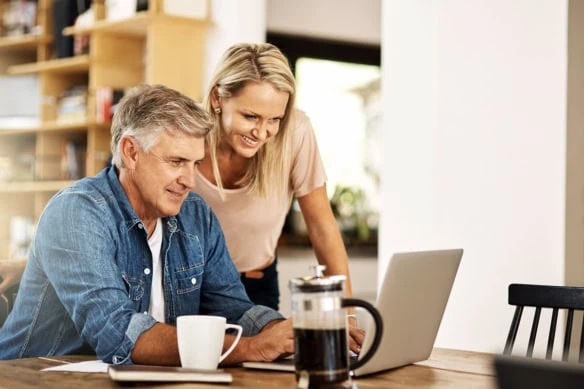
(117, 257)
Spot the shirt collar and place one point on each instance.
(130, 217)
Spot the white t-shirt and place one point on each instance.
(156, 309)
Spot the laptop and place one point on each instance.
(515, 372)
(411, 301)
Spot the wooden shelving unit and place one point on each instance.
(157, 49)
(71, 65)
(26, 43)
(34, 187)
(53, 126)
(136, 26)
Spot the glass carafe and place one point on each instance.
(320, 325)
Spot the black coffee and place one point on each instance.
(323, 354)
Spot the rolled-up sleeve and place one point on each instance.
(139, 323)
(256, 318)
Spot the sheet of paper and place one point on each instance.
(96, 366)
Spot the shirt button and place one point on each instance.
(140, 226)
(146, 271)
(193, 281)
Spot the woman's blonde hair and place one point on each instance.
(243, 63)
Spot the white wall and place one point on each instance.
(232, 21)
(474, 96)
(349, 20)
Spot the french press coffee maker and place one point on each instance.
(320, 325)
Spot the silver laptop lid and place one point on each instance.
(411, 301)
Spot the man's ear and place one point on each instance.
(129, 152)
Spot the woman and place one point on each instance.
(261, 155)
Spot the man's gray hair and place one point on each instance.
(148, 110)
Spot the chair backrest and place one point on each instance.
(545, 296)
(7, 302)
(4, 308)
(532, 373)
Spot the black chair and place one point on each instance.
(7, 302)
(532, 373)
(544, 296)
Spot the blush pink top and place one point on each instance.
(251, 224)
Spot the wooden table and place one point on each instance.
(445, 369)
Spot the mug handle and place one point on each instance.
(237, 337)
(349, 302)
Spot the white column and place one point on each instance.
(474, 96)
(232, 21)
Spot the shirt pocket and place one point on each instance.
(189, 280)
(134, 287)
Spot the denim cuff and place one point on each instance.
(139, 323)
(256, 318)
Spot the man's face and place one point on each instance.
(165, 174)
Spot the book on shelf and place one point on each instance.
(64, 13)
(72, 160)
(136, 373)
(106, 100)
(19, 18)
(22, 164)
(72, 105)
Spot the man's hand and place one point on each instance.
(275, 339)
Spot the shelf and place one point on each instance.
(53, 127)
(70, 65)
(136, 26)
(23, 43)
(33, 187)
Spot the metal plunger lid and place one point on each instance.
(317, 282)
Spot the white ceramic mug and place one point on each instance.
(200, 340)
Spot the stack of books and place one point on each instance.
(72, 105)
(106, 101)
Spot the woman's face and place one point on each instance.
(252, 116)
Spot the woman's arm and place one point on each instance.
(324, 234)
(329, 247)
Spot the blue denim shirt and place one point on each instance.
(86, 287)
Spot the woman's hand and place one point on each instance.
(356, 336)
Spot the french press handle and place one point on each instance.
(350, 302)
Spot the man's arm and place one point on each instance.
(76, 249)
(159, 345)
(275, 339)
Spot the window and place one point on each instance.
(338, 86)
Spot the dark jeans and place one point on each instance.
(265, 290)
